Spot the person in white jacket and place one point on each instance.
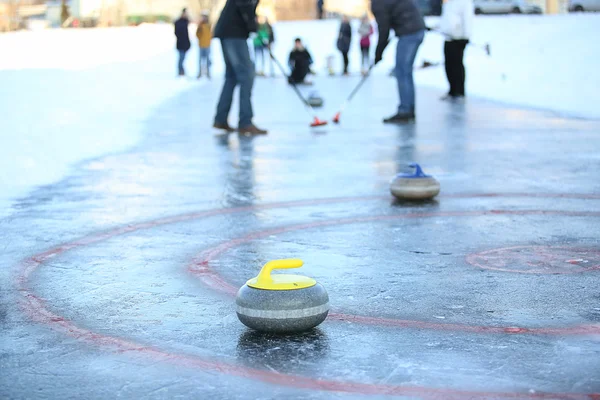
(456, 24)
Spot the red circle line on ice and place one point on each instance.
(37, 310)
(201, 266)
(537, 259)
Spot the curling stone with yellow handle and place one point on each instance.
(415, 186)
(281, 303)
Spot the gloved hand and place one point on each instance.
(378, 57)
(428, 28)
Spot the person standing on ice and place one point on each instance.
(204, 35)
(270, 43)
(300, 61)
(456, 24)
(183, 39)
(344, 39)
(261, 41)
(320, 6)
(237, 20)
(365, 31)
(404, 17)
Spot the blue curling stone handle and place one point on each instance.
(418, 173)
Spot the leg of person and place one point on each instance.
(257, 53)
(364, 62)
(208, 62)
(454, 67)
(406, 51)
(244, 70)
(415, 42)
(271, 63)
(200, 58)
(294, 76)
(180, 62)
(461, 74)
(448, 67)
(362, 58)
(224, 105)
(300, 73)
(346, 62)
(205, 60)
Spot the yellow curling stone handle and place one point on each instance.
(266, 281)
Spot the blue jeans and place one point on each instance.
(181, 60)
(239, 70)
(406, 52)
(204, 57)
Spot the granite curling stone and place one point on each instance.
(415, 186)
(281, 303)
(315, 100)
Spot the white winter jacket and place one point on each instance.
(457, 19)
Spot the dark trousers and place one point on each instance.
(299, 73)
(364, 52)
(454, 51)
(346, 61)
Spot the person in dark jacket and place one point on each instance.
(300, 61)
(183, 39)
(320, 5)
(343, 42)
(237, 20)
(404, 17)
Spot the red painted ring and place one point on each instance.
(37, 310)
(201, 266)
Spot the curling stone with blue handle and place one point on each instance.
(415, 186)
(281, 303)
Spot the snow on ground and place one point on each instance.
(70, 95)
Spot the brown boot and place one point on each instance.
(252, 130)
(224, 126)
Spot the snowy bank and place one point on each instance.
(70, 95)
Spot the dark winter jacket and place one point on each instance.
(237, 20)
(403, 16)
(344, 37)
(300, 59)
(182, 34)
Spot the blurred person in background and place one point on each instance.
(270, 44)
(261, 42)
(183, 39)
(365, 31)
(299, 61)
(344, 40)
(237, 20)
(404, 17)
(456, 24)
(204, 35)
(320, 5)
